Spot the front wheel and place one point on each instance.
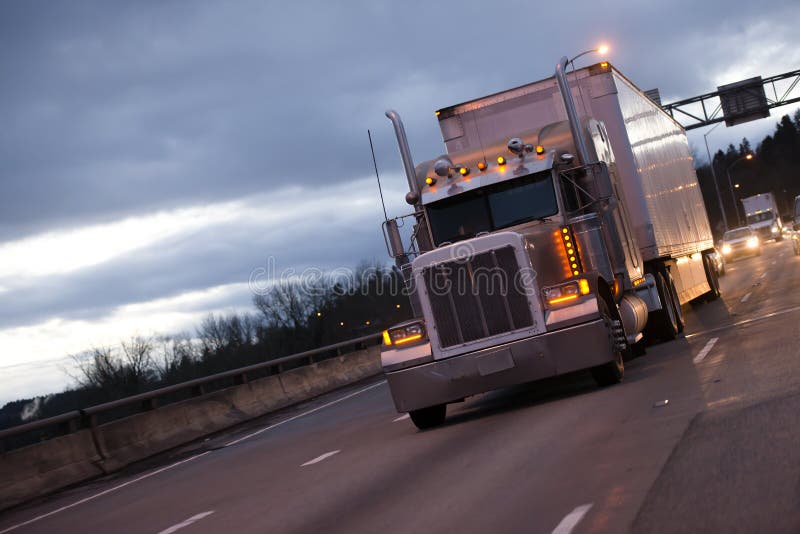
(612, 372)
(429, 417)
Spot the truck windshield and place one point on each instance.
(759, 217)
(492, 208)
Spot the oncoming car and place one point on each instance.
(740, 242)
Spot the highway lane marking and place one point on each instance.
(176, 464)
(105, 492)
(321, 457)
(763, 275)
(401, 418)
(298, 416)
(705, 350)
(744, 298)
(572, 519)
(733, 325)
(774, 262)
(186, 523)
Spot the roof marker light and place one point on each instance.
(430, 180)
(501, 160)
(539, 149)
(463, 170)
(482, 165)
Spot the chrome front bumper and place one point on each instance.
(554, 353)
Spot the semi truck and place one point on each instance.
(762, 215)
(561, 230)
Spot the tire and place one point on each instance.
(612, 372)
(426, 418)
(662, 325)
(676, 302)
(713, 280)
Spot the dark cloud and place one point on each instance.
(116, 109)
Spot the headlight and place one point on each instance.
(774, 229)
(752, 242)
(406, 334)
(566, 292)
(726, 249)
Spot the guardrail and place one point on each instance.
(87, 417)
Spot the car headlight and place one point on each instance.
(752, 242)
(774, 229)
(726, 249)
(405, 334)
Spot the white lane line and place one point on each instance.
(176, 464)
(738, 323)
(774, 262)
(182, 524)
(401, 418)
(572, 519)
(705, 350)
(105, 492)
(763, 275)
(318, 408)
(744, 298)
(321, 457)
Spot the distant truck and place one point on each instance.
(762, 215)
(551, 237)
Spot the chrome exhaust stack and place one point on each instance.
(572, 112)
(405, 154)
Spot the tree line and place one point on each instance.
(290, 316)
(775, 168)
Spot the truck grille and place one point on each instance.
(478, 297)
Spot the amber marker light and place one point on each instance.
(539, 149)
(408, 339)
(501, 160)
(566, 298)
(481, 165)
(463, 171)
(430, 180)
(583, 285)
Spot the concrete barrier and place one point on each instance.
(48, 466)
(45, 467)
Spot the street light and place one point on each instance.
(602, 50)
(747, 157)
(714, 177)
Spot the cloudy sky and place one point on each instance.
(153, 154)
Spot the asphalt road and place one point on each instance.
(701, 437)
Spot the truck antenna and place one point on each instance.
(378, 176)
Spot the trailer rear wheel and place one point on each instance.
(664, 324)
(713, 279)
(429, 417)
(612, 372)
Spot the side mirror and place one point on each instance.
(602, 180)
(394, 242)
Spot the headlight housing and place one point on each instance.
(752, 242)
(405, 334)
(563, 293)
(774, 229)
(726, 249)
